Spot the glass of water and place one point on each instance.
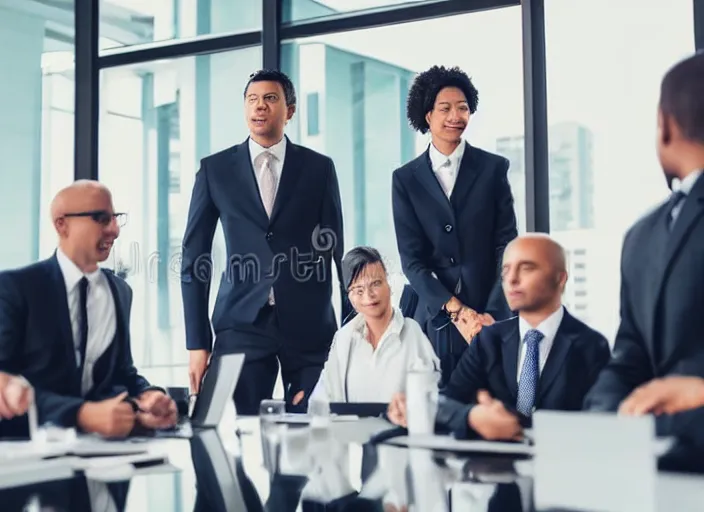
(319, 412)
(272, 431)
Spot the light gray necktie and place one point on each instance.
(267, 181)
(267, 188)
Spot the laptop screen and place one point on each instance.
(216, 390)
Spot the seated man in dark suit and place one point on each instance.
(64, 326)
(542, 359)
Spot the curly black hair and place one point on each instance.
(273, 75)
(427, 85)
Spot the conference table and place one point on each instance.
(246, 465)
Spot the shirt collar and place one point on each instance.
(359, 325)
(278, 149)
(437, 159)
(687, 184)
(72, 274)
(547, 327)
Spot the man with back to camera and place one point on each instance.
(65, 327)
(542, 359)
(659, 339)
(453, 214)
(279, 205)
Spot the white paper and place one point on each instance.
(30, 472)
(435, 442)
(590, 461)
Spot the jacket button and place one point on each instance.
(448, 227)
(269, 235)
(452, 260)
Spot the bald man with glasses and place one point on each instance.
(64, 326)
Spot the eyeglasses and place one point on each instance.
(102, 217)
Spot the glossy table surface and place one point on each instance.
(244, 466)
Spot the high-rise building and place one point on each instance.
(571, 175)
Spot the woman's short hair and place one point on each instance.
(356, 260)
(427, 85)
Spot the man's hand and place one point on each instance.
(490, 419)
(156, 402)
(397, 410)
(469, 323)
(111, 418)
(157, 410)
(668, 395)
(15, 396)
(197, 363)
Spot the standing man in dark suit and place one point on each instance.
(453, 213)
(279, 205)
(662, 270)
(542, 359)
(64, 326)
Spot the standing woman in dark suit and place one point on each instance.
(453, 214)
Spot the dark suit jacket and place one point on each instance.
(293, 251)
(490, 362)
(662, 303)
(462, 238)
(36, 341)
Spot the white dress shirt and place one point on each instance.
(446, 167)
(685, 186)
(356, 372)
(548, 328)
(102, 320)
(278, 150)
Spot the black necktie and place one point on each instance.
(83, 289)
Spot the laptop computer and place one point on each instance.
(216, 392)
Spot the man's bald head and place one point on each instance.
(542, 243)
(86, 223)
(80, 195)
(534, 272)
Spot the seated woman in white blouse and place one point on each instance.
(371, 355)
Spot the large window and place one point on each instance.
(36, 124)
(157, 121)
(129, 22)
(603, 89)
(294, 10)
(353, 87)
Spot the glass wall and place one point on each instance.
(295, 10)
(602, 103)
(129, 22)
(36, 124)
(352, 90)
(157, 121)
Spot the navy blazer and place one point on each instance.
(444, 241)
(662, 299)
(293, 251)
(490, 362)
(36, 341)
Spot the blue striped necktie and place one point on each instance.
(528, 383)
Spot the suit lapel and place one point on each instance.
(691, 211)
(509, 353)
(466, 176)
(425, 175)
(59, 296)
(242, 183)
(561, 346)
(289, 178)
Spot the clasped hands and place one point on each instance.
(15, 396)
(469, 322)
(116, 417)
(488, 417)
